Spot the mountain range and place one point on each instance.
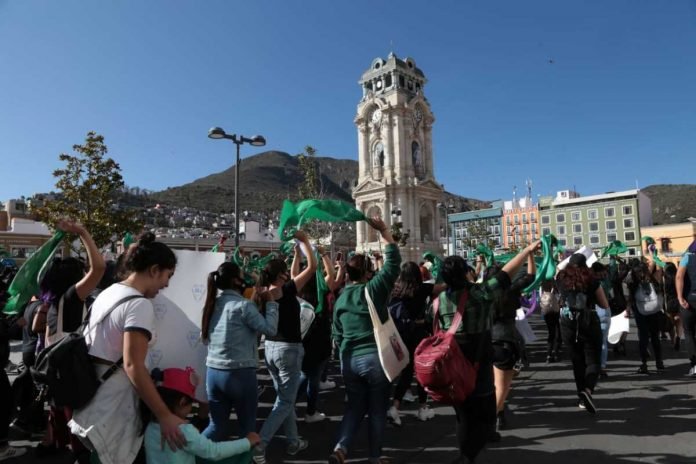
(270, 177)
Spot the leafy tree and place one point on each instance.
(310, 186)
(88, 186)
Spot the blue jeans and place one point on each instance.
(309, 380)
(604, 322)
(227, 389)
(368, 392)
(284, 361)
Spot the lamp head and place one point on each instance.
(216, 133)
(258, 141)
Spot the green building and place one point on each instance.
(596, 220)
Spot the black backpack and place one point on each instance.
(66, 369)
(402, 318)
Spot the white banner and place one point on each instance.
(178, 310)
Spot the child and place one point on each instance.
(177, 387)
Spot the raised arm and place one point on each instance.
(296, 259)
(308, 272)
(513, 266)
(96, 262)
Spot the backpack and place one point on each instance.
(549, 302)
(647, 300)
(440, 366)
(400, 315)
(66, 369)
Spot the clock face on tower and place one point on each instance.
(376, 115)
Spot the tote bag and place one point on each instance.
(393, 353)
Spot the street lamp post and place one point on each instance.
(256, 141)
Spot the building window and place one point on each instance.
(577, 241)
(534, 228)
(664, 245)
(545, 231)
(575, 216)
(611, 237)
(627, 210)
(560, 217)
(591, 214)
(507, 220)
(561, 230)
(609, 212)
(517, 219)
(562, 242)
(611, 225)
(594, 226)
(594, 239)
(509, 240)
(628, 223)
(524, 217)
(577, 228)
(629, 236)
(631, 252)
(533, 217)
(545, 219)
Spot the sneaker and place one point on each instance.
(643, 369)
(425, 413)
(258, 455)
(692, 371)
(408, 397)
(9, 452)
(586, 398)
(581, 405)
(19, 430)
(316, 417)
(337, 457)
(299, 445)
(677, 344)
(660, 366)
(328, 385)
(500, 421)
(603, 374)
(393, 416)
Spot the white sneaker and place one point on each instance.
(408, 397)
(425, 413)
(316, 417)
(692, 371)
(9, 452)
(328, 385)
(295, 448)
(393, 416)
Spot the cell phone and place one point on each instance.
(339, 256)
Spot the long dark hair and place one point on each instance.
(271, 271)
(641, 277)
(454, 270)
(221, 279)
(358, 266)
(410, 279)
(60, 276)
(147, 252)
(575, 278)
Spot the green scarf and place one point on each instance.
(26, 283)
(614, 248)
(653, 249)
(547, 269)
(436, 269)
(487, 253)
(294, 215)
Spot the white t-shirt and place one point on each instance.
(106, 338)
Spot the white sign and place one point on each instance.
(178, 310)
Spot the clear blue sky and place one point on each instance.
(616, 106)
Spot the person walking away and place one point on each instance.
(477, 414)
(672, 304)
(645, 300)
(229, 327)
(367, 387)
(549, 304)
(601, 274)
(284, 351)
(580, 327)
(687, 300)
(410, 298)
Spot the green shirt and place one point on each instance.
(352, 326)
(477, 313)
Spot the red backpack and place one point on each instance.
(440, 367)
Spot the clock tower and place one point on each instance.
(396, 179)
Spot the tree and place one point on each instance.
(88, 186)
(310, 186)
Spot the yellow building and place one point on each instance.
(672, 240)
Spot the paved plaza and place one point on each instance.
(647, 419)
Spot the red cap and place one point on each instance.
(181, 380)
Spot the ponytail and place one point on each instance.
(209, 305)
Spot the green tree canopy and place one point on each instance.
(88, 186)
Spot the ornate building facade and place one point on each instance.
(396, 179)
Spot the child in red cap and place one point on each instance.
(177, 388)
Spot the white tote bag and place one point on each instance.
(393, 353)
(307, 315)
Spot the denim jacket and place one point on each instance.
(234, 324)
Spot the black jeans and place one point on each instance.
(585, 345)
(553, 342)
(648, 332)
(688, 317)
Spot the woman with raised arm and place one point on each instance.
(367, 387)
(284, 350)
